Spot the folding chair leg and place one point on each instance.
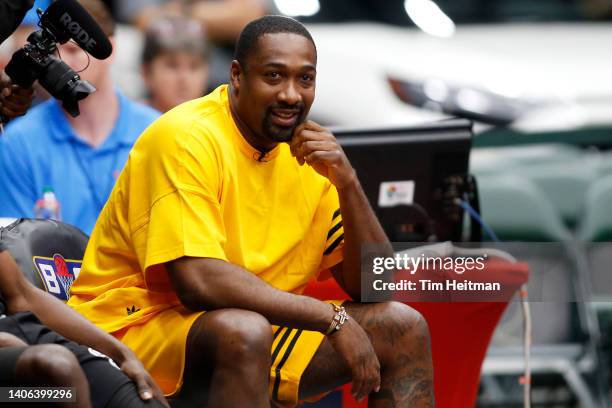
(579, 387)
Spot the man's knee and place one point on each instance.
(8, 340)
(236, 336)
(400, 334)
(397, 323)
(405, 316)
(51, 362)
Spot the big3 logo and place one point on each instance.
(57, 274)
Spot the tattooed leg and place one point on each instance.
(400, 338)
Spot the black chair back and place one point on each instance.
(48, 252)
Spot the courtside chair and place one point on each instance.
(565, 334)
(595, 231)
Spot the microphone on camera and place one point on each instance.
(69, 20)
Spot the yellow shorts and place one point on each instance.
(160, 343)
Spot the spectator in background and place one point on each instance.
(78, 158)
(223, 20)
(174, 62)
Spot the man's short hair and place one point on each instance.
(101, 14)
(247, 42)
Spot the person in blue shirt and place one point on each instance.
(79, 158)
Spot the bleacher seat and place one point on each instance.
(596, 225)
(595, 232)
(541, 153)
(516, 209)
(564, 184)
(605, 163)
(484, 161)
(489, 161)
(562, 172)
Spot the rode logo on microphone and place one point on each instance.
(78, 32)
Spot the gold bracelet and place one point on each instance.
(339, 319)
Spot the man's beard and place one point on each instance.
(281, 133)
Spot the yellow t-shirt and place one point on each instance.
(192, 187)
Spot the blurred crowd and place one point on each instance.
(165, 52)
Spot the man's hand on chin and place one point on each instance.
(317, 146)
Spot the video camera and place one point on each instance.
(62, 21)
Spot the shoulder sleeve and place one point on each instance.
(184, 218)
(17, 188)
(329, 207)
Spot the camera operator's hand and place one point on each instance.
(14, 100)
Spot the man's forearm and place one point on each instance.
(61, 318)
(22, 296)
(210, 284)
(360, 227)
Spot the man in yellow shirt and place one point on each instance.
(227, 207)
